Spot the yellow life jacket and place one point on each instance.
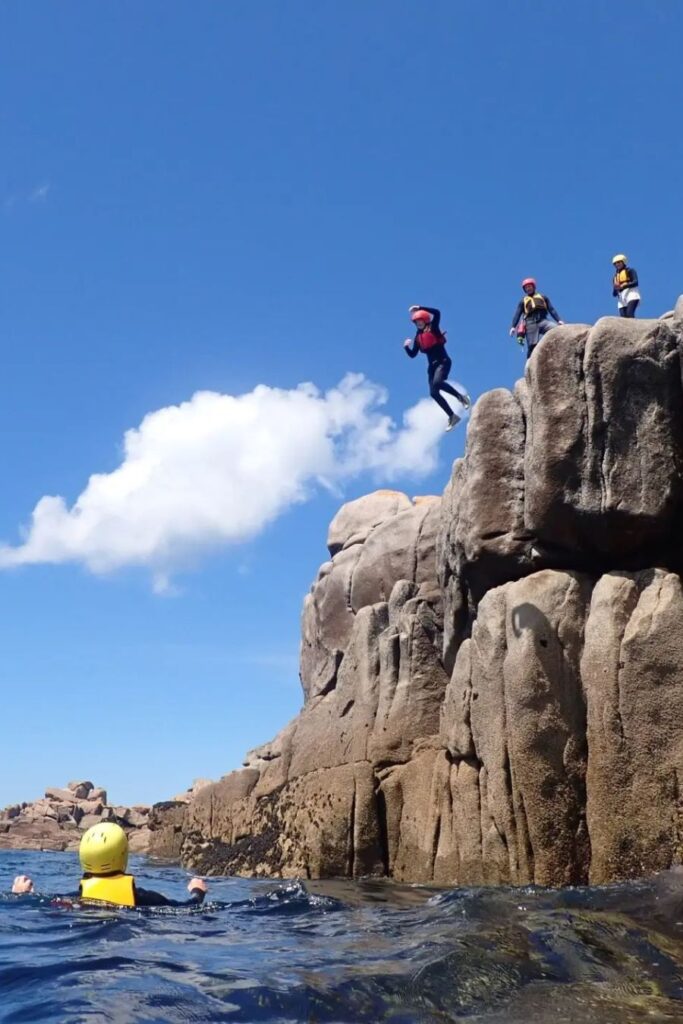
(118, 889)
(535, 304)
(622, 279)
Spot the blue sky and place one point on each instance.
(213, 196)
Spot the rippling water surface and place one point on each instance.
(341, 952)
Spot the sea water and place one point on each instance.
(365, 951)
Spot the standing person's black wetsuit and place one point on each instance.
(430, 340)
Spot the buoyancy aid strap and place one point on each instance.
(535, 303)
(118, 889)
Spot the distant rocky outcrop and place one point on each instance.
(58, 820)
(493, 680)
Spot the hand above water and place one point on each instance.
(22, 884)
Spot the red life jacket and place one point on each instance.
(429, 338)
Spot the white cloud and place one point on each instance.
(218, 468)
(39, 193)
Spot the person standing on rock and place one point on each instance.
(104, 857)
(534, 309)
(430, 339)
(625, 286)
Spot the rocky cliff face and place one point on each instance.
(309, 802)
(493, 680)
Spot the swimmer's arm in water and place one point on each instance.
(148, 898)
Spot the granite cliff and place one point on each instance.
(493, 679)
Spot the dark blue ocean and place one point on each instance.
(340, 952)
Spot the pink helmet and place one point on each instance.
(529, 281)
(421, 314)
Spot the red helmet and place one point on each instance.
(421, 314)
(529, 280)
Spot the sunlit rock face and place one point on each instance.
(491, 679)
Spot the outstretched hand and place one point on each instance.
(197, 883)
(512, 331)
(408, 342)
(21, 885)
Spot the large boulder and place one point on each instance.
(88, 820)
(61, 795)
(166, 825)
(632, 671)
(136, 818)
(604, 447)
(91, 807)
(80, 789)
(581, 467)
(355, 521)
(375, 541)
(486, 542)
(515, 708)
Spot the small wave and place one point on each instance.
(290, 899)
(280, 952)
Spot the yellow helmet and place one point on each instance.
(619, 258)
(104, 849)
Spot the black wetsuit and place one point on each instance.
(149, 898)
(438, 365)
(537, 322)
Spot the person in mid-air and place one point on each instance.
(430, 339)
(625, 286)
(533, 311)
(104, 857)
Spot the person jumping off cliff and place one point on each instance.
(104, 857)
(625, 286)
(430, 339)
(533, 311)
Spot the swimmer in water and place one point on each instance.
(104, 857)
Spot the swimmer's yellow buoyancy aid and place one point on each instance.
(623, 279)
(118, 889)
(535, 303)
